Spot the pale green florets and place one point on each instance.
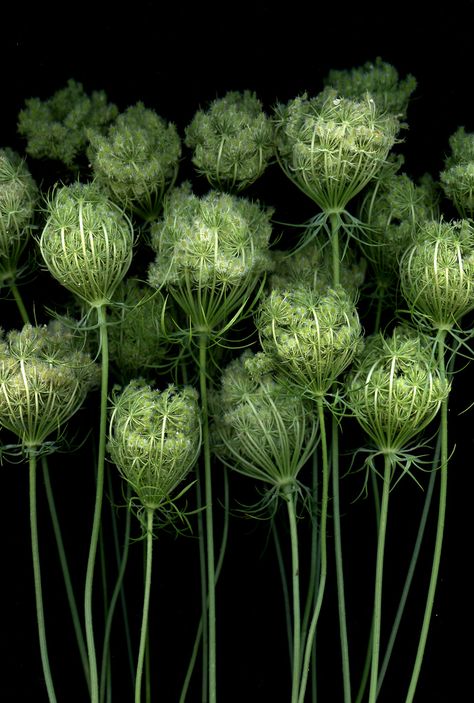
(437, 273)
(137, 160)
(87, 242)
(395, 389)
(333, 146)
(381, 80)
(312, 336)
(154, 439)
(18, 199)
(56, 128)
(44, 379)
(232, 141)
(262, 427)
(457, 178)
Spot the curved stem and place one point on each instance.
(146, 604)
(94, 677)
(19, 302)
(284, 585)
(377, 611)
(290, 503)
(37, 581)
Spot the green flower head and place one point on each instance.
(395, 389)
(333, 146)
(87, 242)
(154, 439)
(44, 379)
(457, 178)
(437, 272)
(137, 160)
(232, 141)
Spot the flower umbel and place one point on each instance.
(457, 177)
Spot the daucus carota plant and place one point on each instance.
(457, 177)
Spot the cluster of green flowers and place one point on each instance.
(457, 177)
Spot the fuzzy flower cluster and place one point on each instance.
(395, 389)
(137, 160)
(262, 427)
(56, 128)
(18, 199)
(44, 379)
(232, 141)
(437, 272)
(313, 336)
(154, 439)
(457, 177)
(333, 146)
(381, 80)
(87, 242)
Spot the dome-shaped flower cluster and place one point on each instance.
(457, 177)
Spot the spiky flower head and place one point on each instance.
(313, 336)
(457, 177)
(154, 439)
(137, 160)
(44, 379)
(381, 80)
(232, 141)
(18, 199)
(333, 146)
(211, 252)
(395, 388)
(56, 128)
(87, 242)
(437, 273)
(263, 428)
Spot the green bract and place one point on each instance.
(137, 160)
(333, 146)
(18, 198)
(154, 439)
(44, 379)
(437, 272)
(56, 128)
(87, 242)
(232, 141)
(457, 178)
(395, 389)
(313, 336)
(262, 428)
(211, 252)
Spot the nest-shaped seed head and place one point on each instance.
(232, 141)
(333, 146)
(86, 242)
(395, 388)
(437, 273)
(154, 438)
(313, 336)
(44, 379)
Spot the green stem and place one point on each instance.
(146, 604)
(284, 585)
(37, 581)
(65, 569)
(290, 503)
(439, 529)
(19, 302)
(89, 627)
(377, 611)
(335, 221)
(211, 585)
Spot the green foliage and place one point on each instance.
(457, 177)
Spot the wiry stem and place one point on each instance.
(146, 605)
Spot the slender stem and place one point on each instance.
(377, 611)
(65, 569)
(308, 646)
(146, 604)
(439, 529)
(335, 221)
(203, 576)
(295, 580)
(37, 582)
(94, 677)
(211, 585)
(284, 585)
(19, 302)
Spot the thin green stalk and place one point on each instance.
(65, 569)
(37, 582)
(286, 594)
(146, 604)
(308, 645)
(441, 339)
(204, 605)
(19, 302)
(88, 616)
(377, 611)
(295, 581)
(335, 221)
(211, 585)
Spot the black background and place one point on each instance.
(176, 59)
